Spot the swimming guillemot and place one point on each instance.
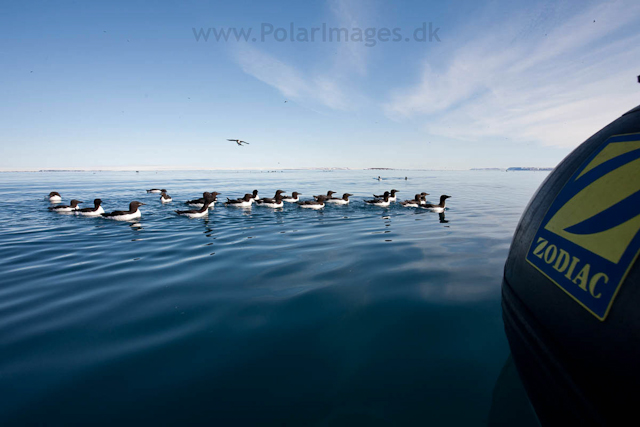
(245, 202)
(328, 196)
(72, 206)
(423, 198)
(278, 193)
(254, 195)
(156, 190)
(132, 213)
(200, 202)
(96, 210)
(165, 198)
(313, 204)
(384, 201)
(392, 195)
(198, 213)
(439, 207)
(413, 203)
(344, 200)
(55, 197)
(293, 198)
(275, 202)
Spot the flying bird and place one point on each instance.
(238, 141)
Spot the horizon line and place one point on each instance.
(176, 169)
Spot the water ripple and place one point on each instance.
(359, 313)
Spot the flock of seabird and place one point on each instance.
(208, 200)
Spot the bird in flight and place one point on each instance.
(238, 141)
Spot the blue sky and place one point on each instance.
(89, 85)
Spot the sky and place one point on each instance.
(410, 84)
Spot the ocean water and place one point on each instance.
(353, 315)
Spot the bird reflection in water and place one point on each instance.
(387, 223)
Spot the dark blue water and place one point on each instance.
(354, 315)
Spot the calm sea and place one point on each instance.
(353, 315)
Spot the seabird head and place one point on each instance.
(295, 194)
(444, 197)
(133, 206)
(330, 193)
(255, 193)
(75, 203)
(97, 202)
(393, 192)
(346, 196)
(54, 193)
(279, 192)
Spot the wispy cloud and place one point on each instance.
(326, 85)
(350, 14)
(555, 86)
(290, 81)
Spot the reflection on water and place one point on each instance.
(353, 314)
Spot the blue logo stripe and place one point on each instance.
(617, 214)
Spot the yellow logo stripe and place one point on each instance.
(609, 152)
(600, 195)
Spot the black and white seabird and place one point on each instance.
(253, 196)
(72, 206)
(156, 190)
(344, 200)
(392, 196)
(238, 141)
(55, 197)
(132, 213)
(278, 193)
(199, 213)
(96, 210)
(293, 198)
(417, 200)
(328, 196)
(423, 198)
(275, 202)
(198, 203)
(165, 198)
(384, 201)
(313, 204)
(245, 202)
(439, 207)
